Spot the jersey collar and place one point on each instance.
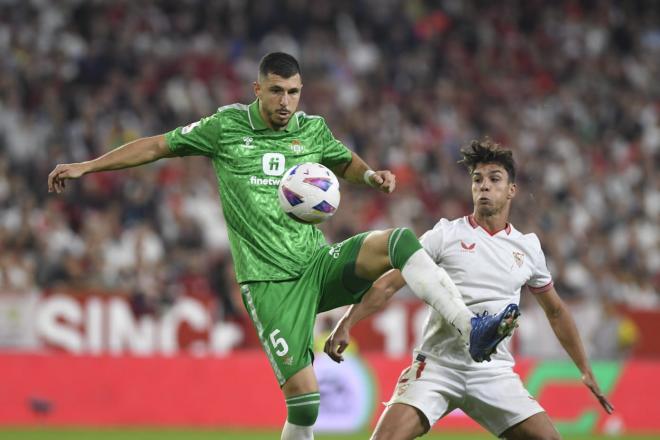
(476, 225)
(257, 123)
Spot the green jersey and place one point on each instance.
(249, 159)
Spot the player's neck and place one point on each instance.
(492, 223)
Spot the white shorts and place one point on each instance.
(494, 398)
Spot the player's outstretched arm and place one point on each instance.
(138, 152)
(357, 171)
(374, 300)
(563, 325)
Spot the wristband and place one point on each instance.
(367, 177)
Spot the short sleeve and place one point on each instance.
(433, 241)
(334, 152)
(541, 279)
(197, 139)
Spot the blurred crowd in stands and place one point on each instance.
(572, 86)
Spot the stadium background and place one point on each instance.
(118, 304)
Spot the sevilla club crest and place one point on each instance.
(518, 257)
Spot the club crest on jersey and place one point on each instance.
(468, 247)
(518, 257)
(247, 142)
(296, 146)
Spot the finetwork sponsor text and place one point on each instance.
(254, 180)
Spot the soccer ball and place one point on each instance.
(309, 193)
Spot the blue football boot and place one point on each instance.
(489, 330)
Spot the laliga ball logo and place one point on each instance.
(309, 193)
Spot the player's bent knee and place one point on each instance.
(376, 242)
(373, 259)
(401, 246)
(302, 410)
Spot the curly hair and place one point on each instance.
(487, 151)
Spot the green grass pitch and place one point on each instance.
(197, 434)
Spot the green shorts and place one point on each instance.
(283, 312)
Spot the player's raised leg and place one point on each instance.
(400, 249)
(302, 396)
(400, 422)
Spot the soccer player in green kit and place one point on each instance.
(287, 271)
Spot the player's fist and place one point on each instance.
(62, 172)
(384, 180)
(337, 343)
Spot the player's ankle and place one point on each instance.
(462, 319)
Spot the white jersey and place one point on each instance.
(489, 270)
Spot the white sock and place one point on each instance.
(432, 284)
(297, 432)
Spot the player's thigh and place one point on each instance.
(373, 259)
(302, 382)
(539, 426)
(283, 314)
(400, 422)
(334, 269)
(497, 400)
(432, 389)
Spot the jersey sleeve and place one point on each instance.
(433, 241)
(197, 139)
(334, 152)
(541, 279)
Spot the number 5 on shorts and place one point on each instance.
(279, 342)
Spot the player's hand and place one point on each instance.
(62, 172)
(589, 380)
(337, 343)
(384, 180)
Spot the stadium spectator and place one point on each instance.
(569, 85)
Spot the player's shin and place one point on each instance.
(302, 412)
(428, 281)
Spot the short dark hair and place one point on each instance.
(487, 151)
(278, 63)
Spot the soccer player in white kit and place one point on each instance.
(489, 261)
